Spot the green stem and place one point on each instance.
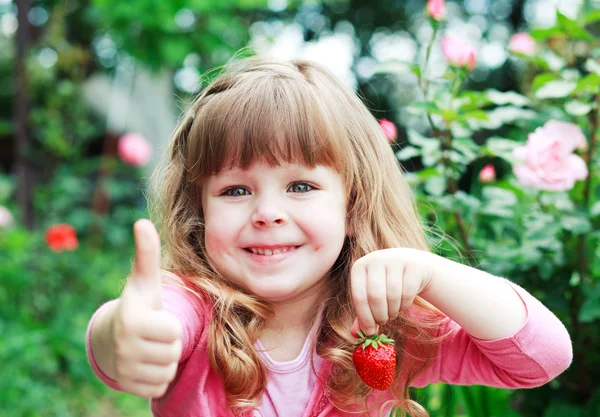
(593, 119)
(423, 83)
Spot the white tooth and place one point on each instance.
(260, 251)
(268, 252)
(253, 250)
(276, 251)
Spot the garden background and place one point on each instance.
(90, 91)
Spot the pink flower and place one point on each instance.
(458, 52)
(6, 218)
(488, 173)
(134, 149)
(548, 159)
(389, 129)
(61, 237)
(522, 43)
(436, 9)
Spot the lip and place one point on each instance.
(271, 259)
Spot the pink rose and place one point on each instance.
(522, 43)
(548, 159)
(436, 9)
(488, 173)
(458, 52)
(389, 129)
(6, 218)
(134, 149)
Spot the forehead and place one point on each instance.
(266, 122)
(263, 169)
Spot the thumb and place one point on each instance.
(146, 274)
(355, 328)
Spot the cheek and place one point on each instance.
(220, 231)
(325, 222)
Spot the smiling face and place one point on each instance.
(275, 230)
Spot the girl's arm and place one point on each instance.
(101, 341)
(482, 304)
(186, 308)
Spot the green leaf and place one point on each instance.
(417, 139)
(435, 186)
(470, 100)
(592, 66)
(576, 224)
(501, 147)
(507, 114)
(498, 201)
(577, 108)
(556, 89)
(590, 84)
(407, 152)
(543, 78)
(424, 106)
(592, 17)
(476, 114)
(542, 34)
(509, 97)
(416, 69)
(595, 210)
(572, 28)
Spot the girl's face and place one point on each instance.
(276, 231)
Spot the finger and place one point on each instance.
(355, 328)
(394, 282)
(413, 277)
(153, 374)
(156, 353)
(157, 326)
(376, 292)
(146, 267)
(143, 390)
(359, 298)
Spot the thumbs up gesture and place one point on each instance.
(147, 339)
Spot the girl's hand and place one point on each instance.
(147, 339)
(385, 282)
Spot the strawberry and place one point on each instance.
(375, 360)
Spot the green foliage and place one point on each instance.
(547, 241)
(46, 300)
(148, 30)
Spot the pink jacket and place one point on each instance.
(534, 355)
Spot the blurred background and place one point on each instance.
(89, 94)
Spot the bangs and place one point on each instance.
(270, 119)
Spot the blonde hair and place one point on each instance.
(296, 112)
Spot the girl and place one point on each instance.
(288, 226)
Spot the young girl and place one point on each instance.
(288, 226)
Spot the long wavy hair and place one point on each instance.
(296, 112)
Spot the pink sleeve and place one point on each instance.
(537, 353)
(187, 308)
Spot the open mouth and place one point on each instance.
(271, 252)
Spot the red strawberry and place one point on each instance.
(375, 360)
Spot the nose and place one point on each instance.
(268, 214)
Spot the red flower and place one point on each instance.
(61, 237)
(389, 129)
(488, 173)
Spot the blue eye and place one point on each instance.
(301, 187)
(235, 192)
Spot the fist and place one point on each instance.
(385, 282)
(147, 339)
